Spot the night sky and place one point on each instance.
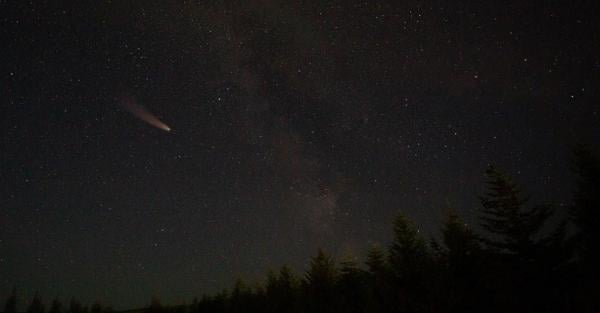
(294, 125)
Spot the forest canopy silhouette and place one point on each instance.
(524, 256)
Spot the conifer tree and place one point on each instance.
(460, 243)
(56, 306)
(11, 302)
(585, 212)
(36, 305)
(410, 265)
(459, 265)
(155, 305)
(320, 281)
(241, 297)
(518, 246)
(585, 215)
(376, 262)
(379, 287)
(75, 306)
(281, 290)
(351, 287)
(287, 279)
(96, 308)
(513, 227)
(408, 251)
(322, 272)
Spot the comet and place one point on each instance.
(143, 114)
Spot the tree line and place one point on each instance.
(525, 258)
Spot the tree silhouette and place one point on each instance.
(319, 283)
(585, 215)
(409, 262)
(585, 212)
(351, 287)
(460, 243)
(75, 306)
(376, 261)
(379, 272)
(514, 228)
(242, 298)
(55, 307)
(460, 264)
(155, 305)
(11, 302)
(281, 291)
(518, 248)
(516, 264)
(36, 305)
(408, 251)
(96, 308)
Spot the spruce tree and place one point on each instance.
(281, 290)
(36, 305)
(376, 263)
(459, 265)
(55, 307)
(241, 297)
(408, 251)
(512, 226)
(585, 215)
(411, 267)
(75, 306)
(519, 246)
(351, 287)
(11, 302)
(96, 308)
(155, 306)
(322, 272)
(460, 243)
(585, 212)
(320, 281)
(379, 278)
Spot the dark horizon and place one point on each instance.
(520, 254)
(169, 148)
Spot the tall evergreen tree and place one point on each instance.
(320, 281)
(376, 261)
(351, 288)
(519, 245)
(281, 291)
(460, 243)
(56, 306)
(458, 264)
(155, 305)
(75, 306)
(379, 280)
(241, 299)
(408, 251)
(96, 308)
(408, 257)
(513, 227)
(585, 215)
(322, 272)
(585, 212)
(11, 302)
(36, 305)
(287, 279)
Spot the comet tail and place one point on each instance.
(142, 113)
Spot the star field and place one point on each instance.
(294, 126)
